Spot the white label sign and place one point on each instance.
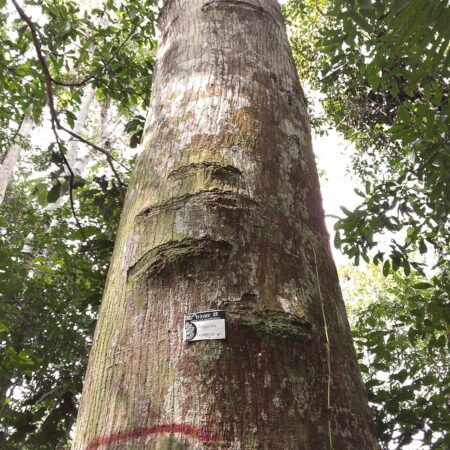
(204, 325)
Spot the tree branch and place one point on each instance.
(56, 124)
(101, 69)
(38, 47)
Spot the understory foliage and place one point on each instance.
(51, 282)
(381, 69)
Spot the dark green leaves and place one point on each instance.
(383, 70)
(54, 193)
(112, 49)
(135, 128)
(386, 268)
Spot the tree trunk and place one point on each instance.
(76, 159)
(9, 163)
(224, 213)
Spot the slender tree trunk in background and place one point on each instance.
(224, 212)
(77, 161)
(9, 163)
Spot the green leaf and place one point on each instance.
(422, 247)
(408, 416)
(54, 193)
(71, 118)
(400, 376)
(42, 194)
(4, 258)
(346, 211)
(423, 285)
(386, 268)
(78, 182)
(406, 267)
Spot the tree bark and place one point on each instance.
(77, 160)
(9, 163)
(224, 212)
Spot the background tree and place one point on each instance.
(8, 163)
(382, 67)
(50, 291)
(400, 330)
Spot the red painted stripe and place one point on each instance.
(203, 434)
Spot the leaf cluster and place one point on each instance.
(110, 47)
(403, 346)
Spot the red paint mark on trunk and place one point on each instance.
(203, 434)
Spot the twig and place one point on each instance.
(108, 155)
(428, 161)
(119, 181)
(333, 72)
(38, 47)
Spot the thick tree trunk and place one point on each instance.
(9, 163)
(224, 212)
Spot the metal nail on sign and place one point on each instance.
(205, 325)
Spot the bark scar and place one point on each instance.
(232, 4)
(272, 322)
(217, 170)
(178, 253)
(206, 196)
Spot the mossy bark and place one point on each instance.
(224, 212)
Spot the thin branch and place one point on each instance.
(101, 69)
(119, 183)
(106, 142)
(108, 155)
(74, 84)
(38, 47)
(54, 117)
(428, 160)
(333, 72)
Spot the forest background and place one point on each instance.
(375, 71)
